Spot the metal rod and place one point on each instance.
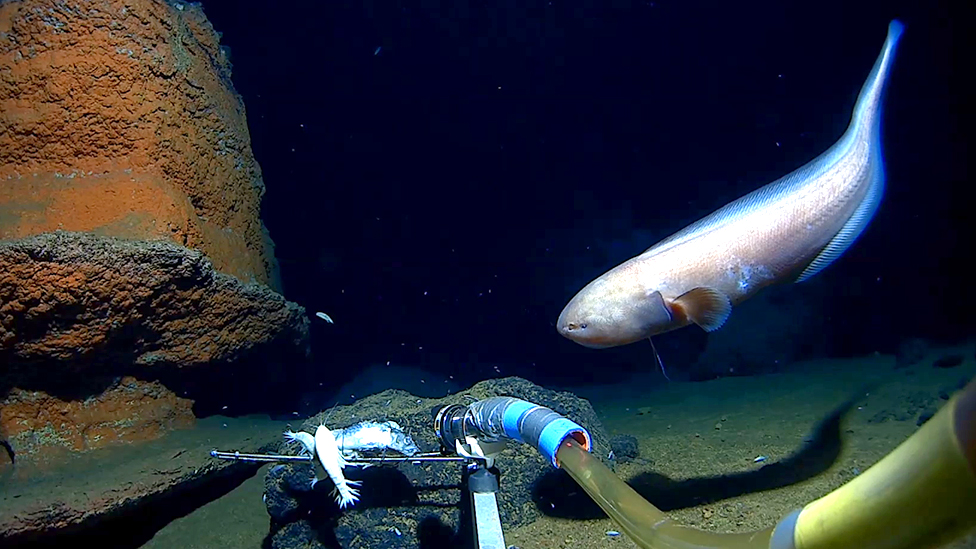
(418, 457)
(273, 458)
(270, 458)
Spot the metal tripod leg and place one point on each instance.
(483, 487)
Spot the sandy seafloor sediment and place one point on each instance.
(689, 430)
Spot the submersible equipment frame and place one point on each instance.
(475, 434)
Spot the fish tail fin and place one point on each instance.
(867, 117)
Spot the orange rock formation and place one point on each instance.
(118, 120)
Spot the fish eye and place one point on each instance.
(583, 326)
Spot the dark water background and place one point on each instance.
(443, 176)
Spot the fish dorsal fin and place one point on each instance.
(706, 307)
(852, 228)
(757, 200)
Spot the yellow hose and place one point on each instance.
(643, 523)
(922, 494)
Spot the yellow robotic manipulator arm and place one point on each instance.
(921, 495)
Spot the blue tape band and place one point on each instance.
(513, 413)
(554, 434)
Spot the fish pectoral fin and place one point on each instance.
(706, 307)
(656, 300)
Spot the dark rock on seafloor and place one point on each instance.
(914, 405)
(949, 361)
(298, 535)
(910, 352)
(625, 448)
(924, 416)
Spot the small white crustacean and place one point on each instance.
(305, 440)
(333, 462)
(325, 317)
(322, 446)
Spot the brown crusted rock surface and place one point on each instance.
(85, 299)
(119, 118)
(125, 492)
(77, 311)
(42, 426)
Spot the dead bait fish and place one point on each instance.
(371, 435)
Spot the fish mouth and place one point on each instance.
(574, 333)
(570, 330)
(572, 325)
(562, 325)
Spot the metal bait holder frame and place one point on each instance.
(455, 435)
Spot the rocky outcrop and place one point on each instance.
(119, 118)
(92, 302)
(78, 312)
(138, 285)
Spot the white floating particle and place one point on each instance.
(325, 317)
